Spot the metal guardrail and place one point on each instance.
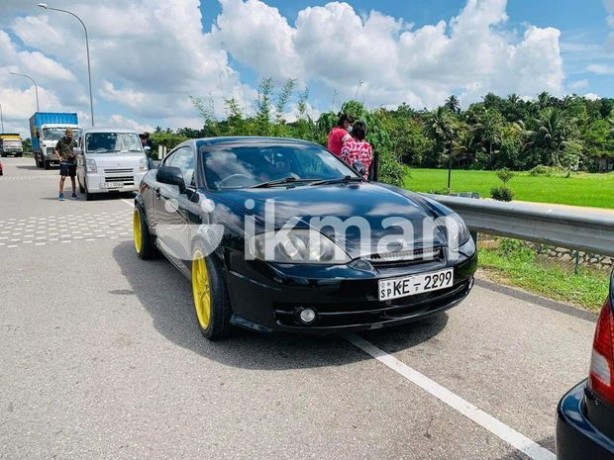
(585, 229)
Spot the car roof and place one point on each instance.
(246, 140)
(109, 130)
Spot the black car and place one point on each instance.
(281, 235)
(585, 416)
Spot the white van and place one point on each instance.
(110, 160)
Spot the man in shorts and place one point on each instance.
(68, 162)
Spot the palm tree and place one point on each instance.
(552, 133)
(452, 104)
(488, 133)
(440, 127)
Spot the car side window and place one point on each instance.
(183, 159)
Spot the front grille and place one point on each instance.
(399, 259)
(127, 180)
(119, 171)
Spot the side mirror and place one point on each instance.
(360, 168)
(77, 151)
(171, 175)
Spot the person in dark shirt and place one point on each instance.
(68, 162)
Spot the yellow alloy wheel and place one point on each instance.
(201, 290)
(136, 230)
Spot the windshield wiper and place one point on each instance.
(287, 180)
(339, 180)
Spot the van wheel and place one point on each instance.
(81, 188)
(88, 195)
(46, 164)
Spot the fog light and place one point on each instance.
(307, 315)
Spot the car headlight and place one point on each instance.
(143, 164)
(296, 246)
(457, 231)
(90, 166)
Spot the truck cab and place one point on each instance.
(46, 128)
(110, 160)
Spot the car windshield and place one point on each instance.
(54, 134)
(112, 142)
(245, 166)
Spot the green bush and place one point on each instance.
(546, 171)
(391, 171)
(502, 193)
(505, 175)
(516, 249)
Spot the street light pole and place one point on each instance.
(87, 48)
(38, 109)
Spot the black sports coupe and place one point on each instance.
(281, 235)
(585, 416)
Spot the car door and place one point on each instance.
(173, 208)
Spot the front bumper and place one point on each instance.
(98, 183)
(576, 437)
(345, 298)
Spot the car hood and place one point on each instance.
(348, 207)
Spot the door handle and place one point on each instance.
(157, 193)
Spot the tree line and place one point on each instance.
(574, 132)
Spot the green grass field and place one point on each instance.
(514, 264)
(593, 190)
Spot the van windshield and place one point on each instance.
(112, 142)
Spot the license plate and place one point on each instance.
(112, 184)
(415, 284)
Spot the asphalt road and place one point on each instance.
(100, 357)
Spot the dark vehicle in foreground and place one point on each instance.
(280, 235)
(585, 416)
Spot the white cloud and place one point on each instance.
(580, 84)
(119, 121)
(259, 36)
(592, 96)
(601, 69)
(335, 45)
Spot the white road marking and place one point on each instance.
(128, 202)
(486, 421)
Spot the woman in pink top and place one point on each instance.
(340, 134)
(358, 149)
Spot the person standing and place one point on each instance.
(358, 149)
(68, 162)
(340, 134)
(148, 147)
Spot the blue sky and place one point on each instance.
(150, 56)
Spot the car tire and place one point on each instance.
(88, 196)
(143, 242)
(210, 297)
(81, 188)
(46, 164)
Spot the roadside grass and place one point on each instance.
(511, 263)
(581, 189)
